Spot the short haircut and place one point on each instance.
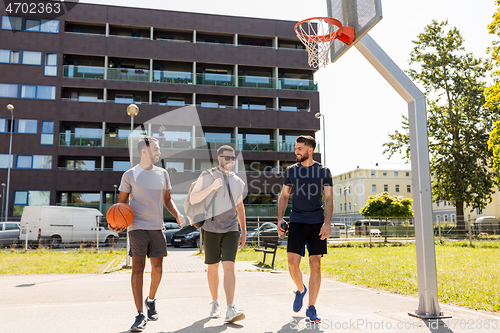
(145, 142)
(307, 140)
(223, 149)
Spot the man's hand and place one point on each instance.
(181, 222)
(216, 184)
(281, 231)
(116, 230)
(326, 230)
(242, 240)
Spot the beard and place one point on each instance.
(228, 166)
(303, 158)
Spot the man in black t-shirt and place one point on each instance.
(310, 224)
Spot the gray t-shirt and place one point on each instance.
(225, 215)
(147, 189)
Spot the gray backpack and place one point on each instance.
(196, 213)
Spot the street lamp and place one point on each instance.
(317, 116)
(10, 107)
(345, 209)
(3, 200)
(114, 200)
(132, 111)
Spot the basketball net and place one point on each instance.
(318, 34)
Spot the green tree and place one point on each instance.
(458, 121)
(384, 206)
(494, 146)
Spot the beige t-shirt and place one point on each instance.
(147, 189)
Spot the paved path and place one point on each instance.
(103, 303)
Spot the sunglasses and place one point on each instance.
(229, 158)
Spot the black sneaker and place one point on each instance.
(140, 323)
(151, 306)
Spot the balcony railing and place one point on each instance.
(173, 77)
(216, 79)
(83, 72)
(257, 82)
(297, 84)
(113, 141)
(128, 74)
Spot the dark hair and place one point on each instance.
(145, 142)
(307, 140)
(223, 149)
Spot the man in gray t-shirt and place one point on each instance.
(148, 188)
(220, 230)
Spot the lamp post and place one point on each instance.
(317, 116)
(3, 200)
(132, 111)
(10, 107)
(114, 198)
(345, 209)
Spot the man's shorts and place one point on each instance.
(150, 243)
(220, 247)
(301, 235)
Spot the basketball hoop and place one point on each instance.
(318, 34)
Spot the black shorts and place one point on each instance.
(301, 235)
(151, 243)
(220, 247)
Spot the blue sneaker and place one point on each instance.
(299, 297)
(311, 315)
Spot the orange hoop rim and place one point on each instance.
(321, 38)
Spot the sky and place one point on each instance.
(359, 106)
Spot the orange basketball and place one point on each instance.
(120, 215)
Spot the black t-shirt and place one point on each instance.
(307, 190)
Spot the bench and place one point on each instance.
(268, 246)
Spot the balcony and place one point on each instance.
(83, 72)
(72, 140)
(174, 77)
(297, 84)
(257, 82)
(128, 74)
(216, 80)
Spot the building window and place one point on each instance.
(32, 58)
(8, 90)
(254, 105)
(386, 188)
(38, 25)
(372, 173)
(396, 174)
(407, 174)
(27, 126)
(384, 173)
(437, 204)
(408, 188)
(9, 57)
(47, 136)
(345, 206)
(87, 96)
(12, 23)
(34, 162)
(74, 164)
(340, 207)
(38, 92)
(438, 218)
(479, 211)
(50, 64)
(121, 165)
(445, 218)
(349, 206)
(4, 161)
(453, 218)
(397, 188)
(444, 203)
(374, 188)
(29, 198)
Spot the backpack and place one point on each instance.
(196, 213)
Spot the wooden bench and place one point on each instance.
(268, 246)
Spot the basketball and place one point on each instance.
(120, 215)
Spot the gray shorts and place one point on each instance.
(150, 243)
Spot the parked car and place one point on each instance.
(267, 234)
(170, 229)
(188, 235)
(260, 229)
(9, 233)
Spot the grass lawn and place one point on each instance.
(52, 262)
(467, 276)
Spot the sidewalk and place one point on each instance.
(103, 303)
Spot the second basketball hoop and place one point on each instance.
(318, 34)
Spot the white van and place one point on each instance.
(60, 224)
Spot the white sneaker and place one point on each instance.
(233, 314)
(215, 312)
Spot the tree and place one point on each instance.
(384, 206)
(458, 121)
(494, 146)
